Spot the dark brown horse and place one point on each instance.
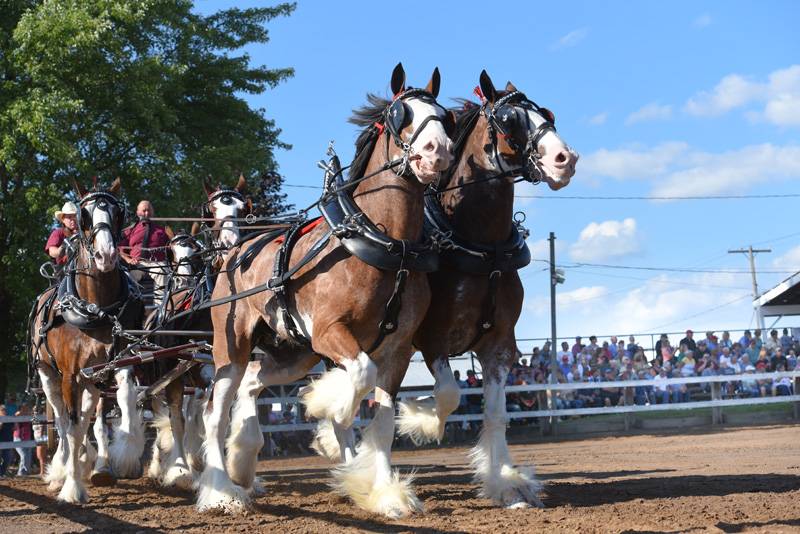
(475, 303)
(336, 301)
(76, 331)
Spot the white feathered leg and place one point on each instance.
(101, 473)
(369, 479)
(245, 439)
(195, 431)
(499, 480)
(162, 442)
(334, 441)
(128, 444)
(215, 490)
(423, 420)
(74, 491)
(56, 470)
(337, 394)
(177, 472)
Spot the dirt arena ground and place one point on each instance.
(729, 480)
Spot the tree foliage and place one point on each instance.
(150, 91)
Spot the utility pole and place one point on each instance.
(553, 282)
(751, 252)
(556, 277)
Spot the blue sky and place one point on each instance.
(659, 98)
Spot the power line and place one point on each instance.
(709, 310)
(587, 197)
(667, 269)
(688, 197)
(657, 281)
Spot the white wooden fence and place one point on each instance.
(716, 402)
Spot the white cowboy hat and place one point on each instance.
(69, 208)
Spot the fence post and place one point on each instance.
(716, 411)
(544, 422)
(625, 392)
(796, 392)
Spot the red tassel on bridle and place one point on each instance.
(479, 93)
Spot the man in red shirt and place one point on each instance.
(55, 247)
(143, 245)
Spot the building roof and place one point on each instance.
(783, 299)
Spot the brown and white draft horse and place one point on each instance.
(337, 302)
(506, 137)
(71, 331)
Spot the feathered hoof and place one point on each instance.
(418, 420)
(325, 443)
(178, 476)
(394, 500)
(72, 492)
(518, 488)
(101, 478)
(54, 485)
(258, 489)
(217, 494)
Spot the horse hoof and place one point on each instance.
(102, 478)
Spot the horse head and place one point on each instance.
(101, 218)
(184, 254)
(526, 135)
(419, 126)
(225, 205)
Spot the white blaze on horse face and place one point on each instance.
(181, 252)
(557, 158)
(229, 234)
(105, 254)
(432, 143)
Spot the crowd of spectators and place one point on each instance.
(616, 360)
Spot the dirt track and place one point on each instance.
(735, 480)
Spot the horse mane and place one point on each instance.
(466, 118)
(366, 116)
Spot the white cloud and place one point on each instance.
(732, 172)
(790, 261)
(660, 304)
(599, 119)
(608, 239)
(702, 21)
(633, 162)
(779, 95)
(566, 300)
(650, 112)
(679, 170)
(571, 39)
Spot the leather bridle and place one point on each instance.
(103, 201)
(500, 116)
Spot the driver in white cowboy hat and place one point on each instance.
(55, 247)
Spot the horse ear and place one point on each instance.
(510, 87)
(195, 228)
(487, 87)
(433, 85)
(169, 231)
(115, 185)
(78, 189)
(241, 185)
(207, 188)
(248, 205)
(398, 84)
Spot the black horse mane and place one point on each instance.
(366, 116)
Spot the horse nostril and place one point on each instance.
(561, 157)
(98, 256)
(429, 147)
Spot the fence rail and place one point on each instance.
(715, 403)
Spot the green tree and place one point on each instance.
(150, 91)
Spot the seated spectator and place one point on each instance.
(764, 384)
(632, 346)
(711, 341)
(745, 340)
(778, 360)
(688, 342)
(773, 343)
(610, 396)
(786, 341)
(593, 346)
(613, 347)
(726, 341)
(660, 387)
(566, 352)
(791, 360)
(749, 387)
(687, 366)
(781, 386)
(577, 347)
